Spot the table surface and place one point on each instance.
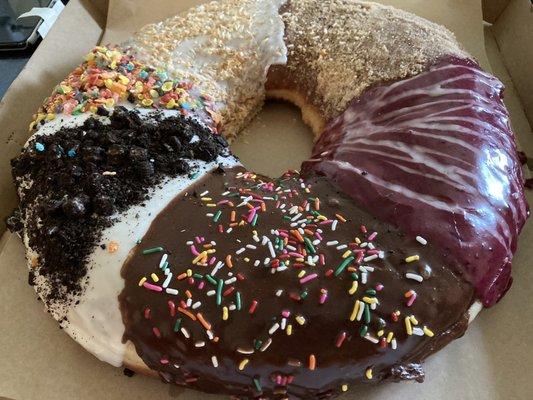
(11, 63)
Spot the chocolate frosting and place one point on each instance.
(175, 313)
(435, 155)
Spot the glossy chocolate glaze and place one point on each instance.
(283, 369)
(435, 155)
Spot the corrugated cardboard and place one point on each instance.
(37, 361)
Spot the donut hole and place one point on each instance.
(276, 140)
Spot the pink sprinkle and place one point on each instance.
(319, 236)
(251, 215)
(379, 287)
(322, 259)
(212, 260)
(164, 361)
(222, 202)
(372, 236)
(221, 229)
(277, 204)
(201, 285)
(156, 332)
(286, 313)
(308, 278)
(155, 288)
(283, 234)
(278, 379)
(372, 251)
(253, 306)
(297, 255)
(411, 300)
(323, 297)
(198, 240)
(360, 257)
(326, 222)
(194, 251)
(363, 229)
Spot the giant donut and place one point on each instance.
(157, 250)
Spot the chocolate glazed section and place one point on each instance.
(435, 155)
(277, 320)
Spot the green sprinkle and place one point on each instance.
(194, 176)
(254, 221)
(363, 330)
(220, 285)
(371, 292)
(198, 276)
(238, 301)
(211, 280)
(304, 294)
(153, 250)
(164, 266)
(257, 384)
(257, 344)
(217, 216)
(286, 218)
(343, 265)
(177, 325)
(366, 313)
(309, 246)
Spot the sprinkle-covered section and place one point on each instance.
(275, 288)
(111, 76)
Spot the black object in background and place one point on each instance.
(19, 34)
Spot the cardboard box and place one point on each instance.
(37, 361)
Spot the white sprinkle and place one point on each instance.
(414, 277)
(167, 271)
(369, 268)
(265, 240)
(185, 332)
(283, 324)
(217, 268)
(316, 242)
(189, 243)
(210, 334)
(332, 243)
(370, 258)
(364, 277)
(266, 345)
(421, 240)
(240, 251)
(211, 293)
(256, 238)
(173, 292)
(371, 246)
(363, 245)
(163, 260)
(341, 247)
(373, 306)
(196, 305)
(394, 344)
(271, 249)
(229, 230)
(418, 331)
(273, 329)
(225, 193)
(214, 360)
(360, 312)
(230, 281)
(189, 302)
(199, 344)
(232, 307)
(245, 351)
(371, 338)
(251, 246)
(210, 215)
(267, 261)
(204, 193)
(296, 217)
(334, 225)
(167, 280)
(256, 263)
(279, 292)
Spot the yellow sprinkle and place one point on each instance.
(370, 300)
(108, 83)
(246, 259)
(354, 287)
(355, 310)
(171, 104)
(300, 319)
(408, 326)
(154, 277)
(322, 218)
(203, 254)
(381, 333)
(428, 331)
(225, 313)
(189, 273)
(167, 86)
(289, 329)
(368, 373)
(206, 199)
(412, 258)
(414, 321)
(346, 253)
(123, 79)
(211, 251)
(243, 364)
(211, 205)
(50, 117)
(389, 336)
(141, 282)
(344, 388)
(301, 274)
(357, 240)
(147, 102)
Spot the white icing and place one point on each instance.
(96, 323)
